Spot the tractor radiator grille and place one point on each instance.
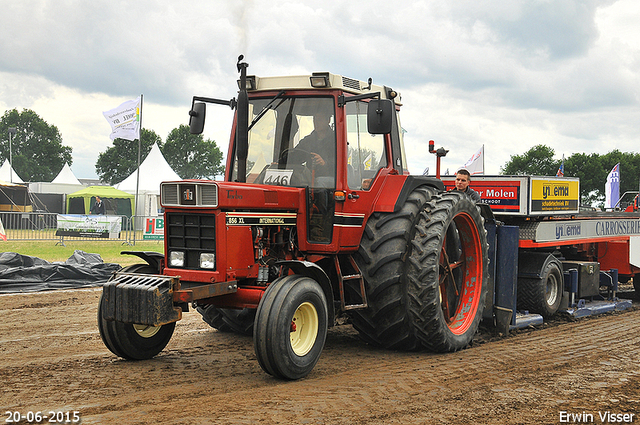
(191, 233)
(190, 194)
(170, 194)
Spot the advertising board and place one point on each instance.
(89, 226)
(525, 195)
(153, 228)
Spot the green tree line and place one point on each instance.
(37, 153)
(592, 169)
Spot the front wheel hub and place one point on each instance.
(304, 329)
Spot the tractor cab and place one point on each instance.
(323, 132)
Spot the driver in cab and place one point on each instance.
(321, 143)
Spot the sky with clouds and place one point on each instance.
(506, 74)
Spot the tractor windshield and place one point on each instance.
(293, 143)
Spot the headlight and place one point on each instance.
(207, 260)
(176, 259)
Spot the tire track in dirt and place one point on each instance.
(51, 357)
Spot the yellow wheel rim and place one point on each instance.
(304, 329)
(146, 331)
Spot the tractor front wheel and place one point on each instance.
(133, 341)
(291, 327)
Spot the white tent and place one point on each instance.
(8, 174)
(66, 176)
(153, 171)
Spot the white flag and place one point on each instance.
(125, 120)
(612, 187)
(475, 164)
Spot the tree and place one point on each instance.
(120, 160)
(537, 161)
(591, 169)
(192, 157)
(37, 151)
(591, 172)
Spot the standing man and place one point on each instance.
(463, 178)
(98, 207)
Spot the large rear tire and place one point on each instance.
(132, 341)
(424, 271)
(448, 272)
(291, 327)
(229, 320)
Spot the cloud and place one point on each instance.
(509, 74)
(118, 49)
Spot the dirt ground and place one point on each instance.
(53, 360)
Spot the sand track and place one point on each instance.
(52, 359)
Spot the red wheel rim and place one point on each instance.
(460, 279)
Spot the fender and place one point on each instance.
(154, 259)
(411, 183)
(312, 270)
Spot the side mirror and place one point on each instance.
(380, 116)
(196, 118)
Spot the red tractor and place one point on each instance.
(317, 218)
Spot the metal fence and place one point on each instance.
(44, 227)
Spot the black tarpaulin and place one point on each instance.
(23, 273)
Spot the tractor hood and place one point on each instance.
(230, 195)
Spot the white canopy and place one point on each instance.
(8, 174)
(66, 176)
(153, 171)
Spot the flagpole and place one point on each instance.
(483, 159)
(137, 172)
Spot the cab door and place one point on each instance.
(367, 162)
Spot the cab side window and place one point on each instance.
(366, 154)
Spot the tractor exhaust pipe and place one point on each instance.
(242, 126)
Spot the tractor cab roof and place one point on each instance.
(318, 81)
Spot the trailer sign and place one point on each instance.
(504, 196)
(552, 195)
(571, 230)
(500, 198)
(525, 195)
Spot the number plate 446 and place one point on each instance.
(278, 177)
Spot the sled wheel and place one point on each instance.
(291, 327)
(228, 320)
(636, 285)
(553, 290)
(544, 295)
(133, 341)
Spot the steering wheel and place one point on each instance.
(295, 156)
